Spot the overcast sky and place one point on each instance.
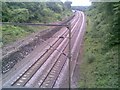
(79, 2)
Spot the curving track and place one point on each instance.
(44, 72)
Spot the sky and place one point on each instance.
(79, 2)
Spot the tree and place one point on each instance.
(68, 4)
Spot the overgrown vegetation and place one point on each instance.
(99, 68)
(30, 12)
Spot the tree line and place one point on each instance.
(34, 11)
(102, 46)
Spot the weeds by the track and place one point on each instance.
(99, 67)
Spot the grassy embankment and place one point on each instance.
(99, 67)
(11, 33)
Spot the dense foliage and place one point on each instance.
(30, 12)
(80, 8)
(102, 42)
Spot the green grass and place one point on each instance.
(12, 33)
(99, 67)
(0, 36)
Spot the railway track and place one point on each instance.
(44, 72)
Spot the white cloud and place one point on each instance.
(79, 2)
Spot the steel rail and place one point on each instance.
(51, 77)
(45, 59)
(60, 42)
(65, 69)
(32, 80)
(51, 44)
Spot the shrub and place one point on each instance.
(90, 58)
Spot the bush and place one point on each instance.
(90, 58)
